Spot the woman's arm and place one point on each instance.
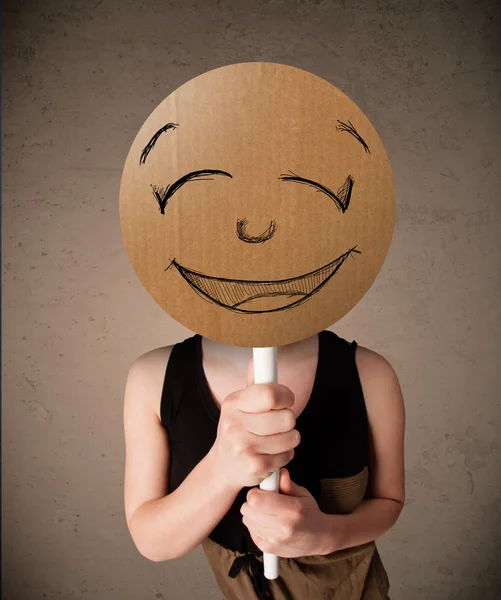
(163, 525)
(385, 494)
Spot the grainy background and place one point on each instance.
(79, 79)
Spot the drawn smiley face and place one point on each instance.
(256, 196)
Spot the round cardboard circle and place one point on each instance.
(257, 204)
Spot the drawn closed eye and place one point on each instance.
(341, 198)
(162, 195)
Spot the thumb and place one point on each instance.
(288, 487)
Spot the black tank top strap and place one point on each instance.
(179, 368)
(338, 352)
(338, 426)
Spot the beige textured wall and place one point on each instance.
(79, 79)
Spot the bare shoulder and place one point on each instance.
(146, 440)
(386, 416)
(147, 373)
(377, 376)
(371, 363)
(382, 392)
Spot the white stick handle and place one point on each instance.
(266, 371)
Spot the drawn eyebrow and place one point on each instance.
(162, 195)
(341, 198)
(351, 129)
(151, 144)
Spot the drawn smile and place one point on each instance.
(246, 296)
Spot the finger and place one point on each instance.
(274, 450)
(260, 523)
(271, 503)
(271, 422)
(263, 397)
(259, 541)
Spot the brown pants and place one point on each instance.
(352, 574)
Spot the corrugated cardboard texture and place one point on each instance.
(257, 204)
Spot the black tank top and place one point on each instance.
(333, 426)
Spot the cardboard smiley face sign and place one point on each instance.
(257, 204)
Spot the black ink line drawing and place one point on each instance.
(341, 198)
(162, 195)
(233, 293)
(255, 239)
(151, 144)
(351, 129)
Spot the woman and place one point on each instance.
(200, 436)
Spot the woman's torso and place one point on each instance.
(331, 461)
(320, 370)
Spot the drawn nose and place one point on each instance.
(255, 239)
